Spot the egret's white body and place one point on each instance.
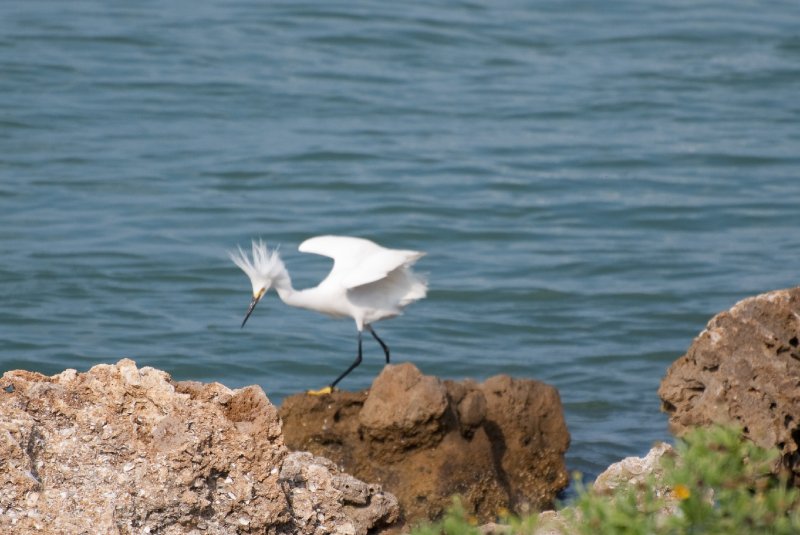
(367, 283)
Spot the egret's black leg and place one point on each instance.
(352, 366)
(384, 346)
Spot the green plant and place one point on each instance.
(716, 483)
(725, 486)
(628, 511)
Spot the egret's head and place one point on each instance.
(262, 270)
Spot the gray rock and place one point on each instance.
(125, 450)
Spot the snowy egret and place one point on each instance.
(367, 283)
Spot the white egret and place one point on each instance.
(367, 283)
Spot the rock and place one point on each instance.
(634, 471)
(499, 445)
(526, 427)
(125, 450)
(744, 369)
(398, 427)
(317, 490)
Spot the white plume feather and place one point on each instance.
(264, 267)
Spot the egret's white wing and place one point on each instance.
(357, 261)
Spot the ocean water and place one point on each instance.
(591, 181)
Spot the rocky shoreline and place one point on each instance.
(122, 449)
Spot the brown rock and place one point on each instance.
(744, 369)
(526, 426)
(499, 445)
(125, 450)
(415, 423)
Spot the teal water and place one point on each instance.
(591, 181)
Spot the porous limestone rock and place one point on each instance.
(332, 501)
(744, 369)
(120, 449)
(499, 445)
(634, 471)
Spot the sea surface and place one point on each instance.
(591, 181)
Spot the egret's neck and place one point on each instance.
(292, 297)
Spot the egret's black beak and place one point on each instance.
(252, 307)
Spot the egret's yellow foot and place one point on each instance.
(320, 392)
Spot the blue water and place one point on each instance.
(592, 181)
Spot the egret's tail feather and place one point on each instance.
(417, 288)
